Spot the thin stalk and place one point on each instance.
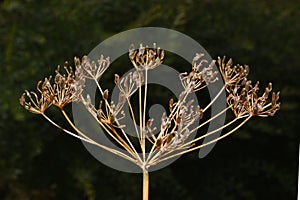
(119, 140)
(140, 108)
(214, 99)
(124, 134)
(145, 185)
(141, 121)
(116, 152)
(73, 126)
(145, 97)
(209, 133)
(210, 119)
(65, 130)
(133, 118)
(144, 114)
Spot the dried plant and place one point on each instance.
(176, 125)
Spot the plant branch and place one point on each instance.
(116, 152)
(208, 143)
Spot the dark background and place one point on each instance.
(260, 161)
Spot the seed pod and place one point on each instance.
(178, 120)
(229, 63)
(100, 104)
(256, 88)
(149, 122)
(105, 94)
(267, 91)
(169, 138)
(162, 55)
(99, 116)
(77, 61)
(255, 110)
(171, 104)
(246, 70)
(66, 64)
(159, 143)
(273, 99)
(200, 111)
(84, 59)
(269, 87)
(112, 119)
(117, 79)
(247, 85)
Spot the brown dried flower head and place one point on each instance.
(178, 125)
(232, 74)
(64, 90)
(145, 57)
(245, 101)
(91, 70)
(33, 103)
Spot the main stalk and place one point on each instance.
(145, 185)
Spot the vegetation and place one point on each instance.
(258, 163)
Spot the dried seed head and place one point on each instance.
(232, 74)
(65, 89)
(129, 83)
(31, 102)
(245, 101)
(91, 69)
(146, 58)
(200, 76)
(176, 127)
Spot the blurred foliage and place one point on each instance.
(37, 161)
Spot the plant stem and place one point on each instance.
(144, 116)
(145, 185)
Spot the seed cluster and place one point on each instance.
(242, 96)
(181, 118)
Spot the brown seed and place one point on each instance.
(200, 113)
(178, 120)
(149, 122)
(158, 143)
(273, 99)
(171, 103)
(77, 61)
(100, 104)
(105, 94)
(169, 138)
(112, 119)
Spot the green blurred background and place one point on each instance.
(259, 162)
